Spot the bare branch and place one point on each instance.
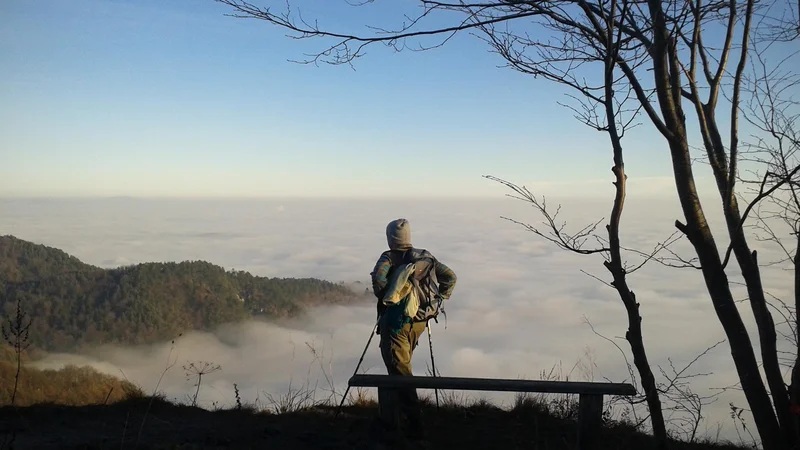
(573, 242)
(342, 53)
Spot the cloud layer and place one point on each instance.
(520, 306)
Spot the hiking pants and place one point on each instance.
(396, 350)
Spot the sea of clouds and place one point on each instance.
(520, 307)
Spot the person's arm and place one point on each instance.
(379, 274)
(446, 278)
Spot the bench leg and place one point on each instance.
(590, 421)
(389, 408)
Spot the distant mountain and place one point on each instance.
(73, 303)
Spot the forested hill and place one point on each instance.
(73, 303)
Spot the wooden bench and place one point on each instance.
(590, 409)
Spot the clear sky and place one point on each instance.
(173, 98)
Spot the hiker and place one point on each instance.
(417, 300)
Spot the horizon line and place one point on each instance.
(439, 197)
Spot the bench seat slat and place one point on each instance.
(492, 384)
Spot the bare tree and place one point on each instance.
(676, 59)
(611, 251)
(16, 332)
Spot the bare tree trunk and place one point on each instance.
(748, 263)
(634, 333)
(766, 325)
(699, 234)
(747, 259)
(614, 265)
(666, 72)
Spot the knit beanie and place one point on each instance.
(398, 234)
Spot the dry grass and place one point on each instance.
(360, 398)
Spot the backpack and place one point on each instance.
(412, 285)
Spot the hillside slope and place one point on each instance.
(74, 303)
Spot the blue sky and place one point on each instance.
(157, 98)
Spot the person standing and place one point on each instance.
(432, 282)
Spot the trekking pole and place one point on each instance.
(357, 366)
(433, 362)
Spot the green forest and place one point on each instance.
(74, 304)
